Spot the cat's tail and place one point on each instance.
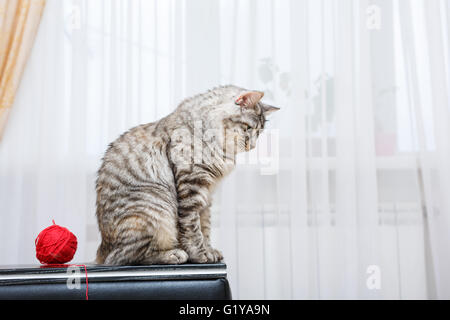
(102, 253)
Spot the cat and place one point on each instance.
(155, 182)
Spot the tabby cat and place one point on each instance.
(155, 182)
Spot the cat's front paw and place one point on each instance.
(213, 255)
(197, 256)
(205, 255)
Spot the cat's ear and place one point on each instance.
(267, 110)
(249, 99)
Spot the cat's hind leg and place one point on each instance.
(145, 237)
(173, 256)
(119, 256)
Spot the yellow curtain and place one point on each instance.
(19, 21)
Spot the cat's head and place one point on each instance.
(245, 126)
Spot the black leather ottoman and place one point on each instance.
(179, 282)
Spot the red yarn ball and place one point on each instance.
(55, 244)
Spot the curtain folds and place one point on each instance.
(19, 21)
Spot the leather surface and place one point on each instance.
(190, 282)
(215, 289)
(42, 269)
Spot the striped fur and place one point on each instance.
(154, 185)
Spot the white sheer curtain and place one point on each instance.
(347, 194)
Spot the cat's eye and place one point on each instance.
(246, 127)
